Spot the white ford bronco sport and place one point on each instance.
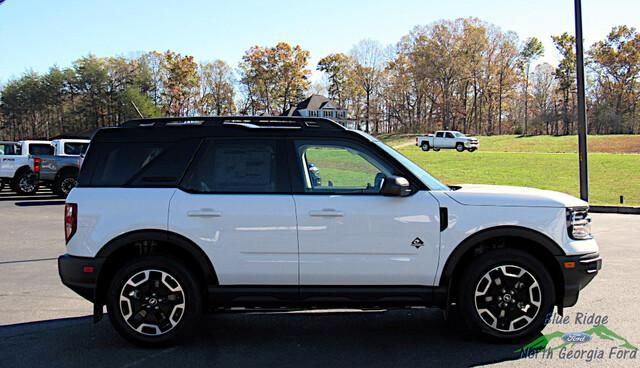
(173, 217)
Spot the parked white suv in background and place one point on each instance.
(177, 216)
(447, 139)
(18, 168)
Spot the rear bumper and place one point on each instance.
(577, 272)
(80, 274)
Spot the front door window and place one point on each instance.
(335, 168)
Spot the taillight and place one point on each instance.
(70, 220)
(37, 162)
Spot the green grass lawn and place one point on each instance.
(610, 174)
(548, 144)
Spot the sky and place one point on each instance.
(37, 34)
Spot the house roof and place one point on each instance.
(291, 112)
(316, 102)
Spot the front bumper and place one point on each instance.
(80, 274)
(471, 144)
(577, 272)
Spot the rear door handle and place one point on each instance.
(205, 212)
(325, 213)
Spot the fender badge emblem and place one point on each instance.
(417, 242)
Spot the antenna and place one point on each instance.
(137, 110)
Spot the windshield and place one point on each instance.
(425, 177)
(458, 135)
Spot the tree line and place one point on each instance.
(463, 74)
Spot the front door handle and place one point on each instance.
(205, 212)
(327, 212)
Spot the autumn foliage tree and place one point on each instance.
(179, 84)
(274, 78)
(217, 91)
(615, 62)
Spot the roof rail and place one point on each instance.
(251, 122)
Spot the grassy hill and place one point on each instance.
(541, 162)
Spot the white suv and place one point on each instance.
(178, 216)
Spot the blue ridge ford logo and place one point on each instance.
(576, 337)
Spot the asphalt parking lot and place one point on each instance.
(42, 323)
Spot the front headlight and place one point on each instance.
(579, 223)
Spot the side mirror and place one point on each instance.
(395, 186)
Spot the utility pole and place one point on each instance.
(582, 114)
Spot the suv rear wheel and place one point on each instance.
(25, 183)
(425, 146)
(506, 294)
(153, 300)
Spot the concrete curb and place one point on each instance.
(615, 209)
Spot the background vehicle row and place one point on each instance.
(24, 165)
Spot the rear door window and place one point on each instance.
(439, 134)
(9, 149)
(238, 166)
(40, 149)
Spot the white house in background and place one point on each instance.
(322, 107)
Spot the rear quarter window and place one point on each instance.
(131, 164)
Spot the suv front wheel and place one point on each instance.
(506, 294)
(153, 300)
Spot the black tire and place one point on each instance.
(472, 149)
(63, 184)
(151, 301)
(436, 149)
(25, 183)
(479, 312)
(1, 185)
(425, 146)
(459, 147)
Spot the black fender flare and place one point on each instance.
(491, 233)
(197, 255)
(21, 170)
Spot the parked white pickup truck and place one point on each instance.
(60, 166)
(24, 165)
(447, 139)
(18, 168)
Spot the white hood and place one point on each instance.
(502, 195)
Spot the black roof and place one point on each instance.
(173, 128)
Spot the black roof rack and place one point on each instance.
(250, 122)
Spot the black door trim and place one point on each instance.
(324, 296)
